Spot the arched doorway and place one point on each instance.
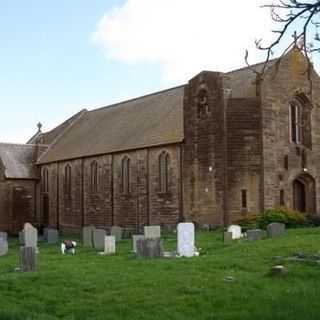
(304, 196)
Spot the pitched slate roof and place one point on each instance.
(151, 120)
(18, 160)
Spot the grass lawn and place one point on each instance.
(88, 286)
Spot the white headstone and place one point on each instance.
(135, 238)
(235, 230)
(152, 232)
(3, 247)
(30, 236)
(185, 241)
(109, 245)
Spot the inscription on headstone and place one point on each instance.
(30, 235)
(98, 238)
(276, 229)
(150, 248)
(254, 235)
(109, 245)
(135, 238)
(152, 232)
(27, 259)
(87, 236)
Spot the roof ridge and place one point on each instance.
(22, 144)
(113, 105)
(80, 114)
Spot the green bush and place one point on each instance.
(249, 222)
(291, 218)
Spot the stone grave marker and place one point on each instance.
(52, 236)
(254, 235)
(3, 247)
(227, 237)
(235, 230)
(98, 238)
(3, 235)
(117, 232)
(152, 232)
(185, 239)
(87, 236)
(135, 238)
(276, 229)
(27, 259)
(109, 245)
(45, 234)
(150, 248)
(30, 236)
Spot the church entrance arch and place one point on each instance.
(304, 194)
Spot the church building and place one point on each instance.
(212, 151)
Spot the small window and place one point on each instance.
(45, 180)
(94, 176)
(163, 171)
(67, 180)
(125, 175)
(281, 197)
(202, 104)
(244, 199)
(286, 162)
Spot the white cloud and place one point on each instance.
(184, 36)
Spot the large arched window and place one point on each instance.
(163, 171)
(300, 120)
(67, 180)
(125, 175)
(94, 176)
(45, 180)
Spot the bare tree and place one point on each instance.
(288, 14)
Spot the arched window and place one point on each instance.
(125, 175)
(67, 180)
(300, 120)
(94, 176)
(163, 171)
(45, 180)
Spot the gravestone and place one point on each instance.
(227, 237)
(3, 247)
(87, 236)
(21, 237)
(254, 235)
(27, 259)
(236, 231)
(150, 248)
(45, 234)
(30, 235)
(152, 232)
(3, 235)
(135, 238)
(276, 229)
(109, 245)
(117, 232)
(52, 236)
(98, 238)
(185, 239)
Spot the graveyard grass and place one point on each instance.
(89, 286)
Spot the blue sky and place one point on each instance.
(58, 57)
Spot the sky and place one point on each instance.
(58, 57)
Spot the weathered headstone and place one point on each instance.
(98, 238)
(3, 235)
(52, 236)
(185, 239)
(30, 235)
(109, 245)
(276, 229)
(254, 235)
(227, 237)
(3, 247)
(152, 232)
(87, 236)
(27, 259)
(236, 231)
(45, 234)
(150, 248)
(21, 237)
(135, 238)
(117, 232)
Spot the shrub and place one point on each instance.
(249, 222)
(291, 218)
(313, 220)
